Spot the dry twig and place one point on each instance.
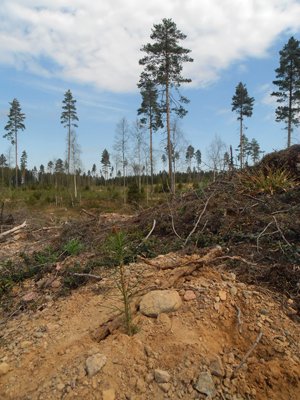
(261, 234)
(239, 319)
(280, 231)
(88, 213)
(198, 220)
(89, 276)
(244, 359)
(13, 230)
(235, 258)
(152, 229)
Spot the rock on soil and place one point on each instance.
(205, 384)
(161, 376)
(160, 301)
(95, 363)
(4, 368)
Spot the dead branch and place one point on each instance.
(46, 228)
(280, 231)
(235, 258)
(253, 198)
(239, 319)
(88, 276)
(172, 222)
(209, 257)
(152, 229)
(190, 267)
(244, 359)
(113, 323)
(198, 220)
(173, 227)
(13, 230)
(88, 213)
(261, 234)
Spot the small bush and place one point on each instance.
(267, 180)
(134, 195)
(73, 247)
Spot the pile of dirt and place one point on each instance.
(288, 159)
(227, 340)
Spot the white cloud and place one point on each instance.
(99, 42)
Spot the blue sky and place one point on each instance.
(50, 46)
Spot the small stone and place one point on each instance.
(216, 367)
(161, 376)
(60, 387)
(205, 384)
(109, 394)
(56, 284)
(25, 344)
(30, 296)
(232, 276)
(165, 387)
(264, 311)
(149, 378)
(189, 295)
(4, 368)
(233, 291)
(227, 382)
(38, 334)
(217, 306)
(95, 363)
(222, 295)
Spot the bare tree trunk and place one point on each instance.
(16, 154)
(151, 154)
(171, 179)
(75, 186)
(69, 145)
(241, 142)
(289, 128)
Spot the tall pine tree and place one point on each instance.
(243, 105)
(164, 63)
(288, 82)
(68, 118)
(14, 125)
(151, 112)
(105, 163)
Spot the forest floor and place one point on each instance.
(231, 257)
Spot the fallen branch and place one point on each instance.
(173, 227)
(88, 276)
(261, 234)
(239, 319)
(209, 257)
(13, 230)
(280, 231)
(246, 356)
(235, 258)
(88, 213)
(198, 220)
(152, 229)
(149, 234)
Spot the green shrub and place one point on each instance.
(134, 195)
(73, 247)
(267, 180)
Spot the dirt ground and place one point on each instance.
(45, 351)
